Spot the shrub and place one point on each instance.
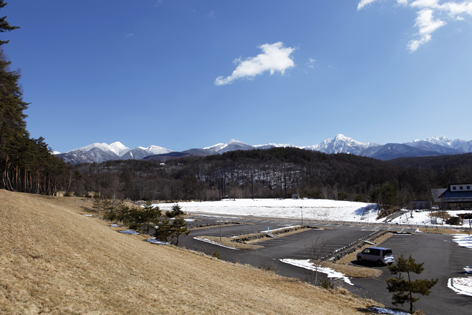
(453, 221)
(327, 284)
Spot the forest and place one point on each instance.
(272, 173)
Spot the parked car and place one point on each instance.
(379, 255)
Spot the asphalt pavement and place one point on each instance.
(442, 257)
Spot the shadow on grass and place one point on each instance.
(88, 210)
(366, 263)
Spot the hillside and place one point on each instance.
(54, 260)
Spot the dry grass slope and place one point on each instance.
(55, 261)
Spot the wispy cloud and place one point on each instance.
(211, 14)
(431, 15)
(158, 3)
(427, 25)
(274, 57)
(311, 63)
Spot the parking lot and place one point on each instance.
(442, 258)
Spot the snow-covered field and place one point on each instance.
(422, 218)
(318, 209)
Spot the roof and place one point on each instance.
(456, 196)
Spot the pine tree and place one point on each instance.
(151, 215)
(163, 230)
(177, 228)
(404, 288)
(4, 25)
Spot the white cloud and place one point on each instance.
(427, 25)
(431, 16)
(363, 3)
(211, 14)
(275, 57)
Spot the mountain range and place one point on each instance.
(100, 152)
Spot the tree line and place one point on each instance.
(271, 173)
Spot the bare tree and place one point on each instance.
(316, 250)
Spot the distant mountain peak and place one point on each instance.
(99, 152)
(118, 148)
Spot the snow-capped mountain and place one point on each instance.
(100, 152)
(341, 144)
(456, 144)
(231, 145)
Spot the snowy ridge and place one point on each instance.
(100, 152)
(154, 149)
(341, 144)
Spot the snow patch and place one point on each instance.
(213, 243)
(463, 240)
(460, 285)
(306, 264)
(131, 232)
(381, 310)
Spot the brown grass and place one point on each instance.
(353, 271)
(440, 214)
(54, 260)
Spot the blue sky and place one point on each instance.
(192, 73)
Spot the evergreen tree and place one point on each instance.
(404, 288)
(163, 230)
(176, 210)
(151, 215)
(178, 227)
(4, 25)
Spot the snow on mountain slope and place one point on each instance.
(98, 152)
(101, 146)
(231, 145)
(154, 149)
(118, 148)
(214, 148)
(274, 145)
(457, 144)
(432, 147)
(341, 144)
